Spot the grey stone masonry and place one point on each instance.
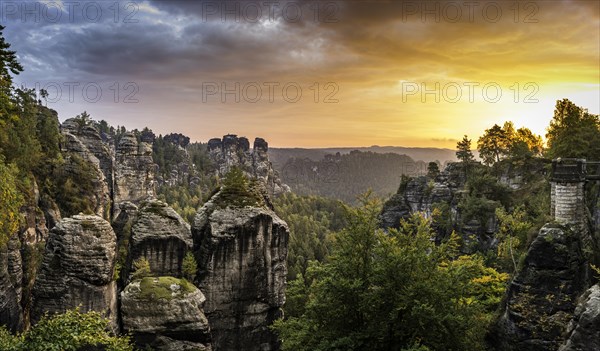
(567, 191)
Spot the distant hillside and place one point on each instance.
(279, 156)
(345, 176)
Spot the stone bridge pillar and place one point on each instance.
(567, 192)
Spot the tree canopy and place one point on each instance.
(573, 132)
(390, 291)
(498, 143)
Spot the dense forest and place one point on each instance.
(346, 176)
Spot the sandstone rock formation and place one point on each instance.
(241, 254)
(584, 329)
(422, 195)
(77, 268)
(11, 274)
(419, 195)
(235, 151)
(542, 297)
(18, 265)
(134, 172)
(166, 314)
(91, 138)
(160, 235)
(76, 154)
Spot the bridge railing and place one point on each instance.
(593, 170)
(569, 170)
(575, 170)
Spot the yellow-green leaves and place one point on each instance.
(10, 202)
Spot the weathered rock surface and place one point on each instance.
(77, 268)
(241, 254)
(419, 195)
(134, 172)
(160, 235)
(93, 141)
(166, 314)
(423, 195)
(584, 329)
(234, 151)
(542, 297)
(75, 152)
(11, 274)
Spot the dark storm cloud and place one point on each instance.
(157, 45)
(182, 39)
(170, 48)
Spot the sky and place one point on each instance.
(311, 73)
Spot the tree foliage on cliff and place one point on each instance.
(71, 331)
(463, 150)
(239, 191)
(498, 143)
(391, 291)
(10, 202)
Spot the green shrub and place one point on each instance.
(70, 331)
(141, 268)
(189, 267)
(74, 186)
(238, 191)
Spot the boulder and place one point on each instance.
(91, 138)
(166, 314)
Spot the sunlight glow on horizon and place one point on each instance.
(357, 75)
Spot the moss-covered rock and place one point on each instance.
(157, 288)
(162, 312)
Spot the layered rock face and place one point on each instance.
(134, 172)
(542, 297)
(166, 314)
(423, 195)
(77, 268)
(75, 152)
(11, 274)
(584, 329)
(419, 195)
(90, 137)
(233, 151)
(18, 265)
(241, 255)
(160, 235)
